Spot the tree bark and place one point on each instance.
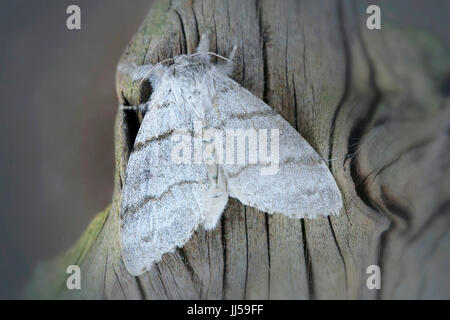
(373, 102)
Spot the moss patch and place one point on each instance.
(49, 278)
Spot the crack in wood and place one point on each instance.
(347, 80)
(140, 288)
(308, 262)
(339, 251)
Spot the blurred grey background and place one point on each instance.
(58, 104)
(57, 111)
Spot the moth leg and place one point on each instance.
(142, 108)
(132, 108)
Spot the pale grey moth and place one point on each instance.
(164, 200)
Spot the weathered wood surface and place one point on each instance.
(373, 102)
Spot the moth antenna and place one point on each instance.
(151, 70)
(212, 53)
(227, 68)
